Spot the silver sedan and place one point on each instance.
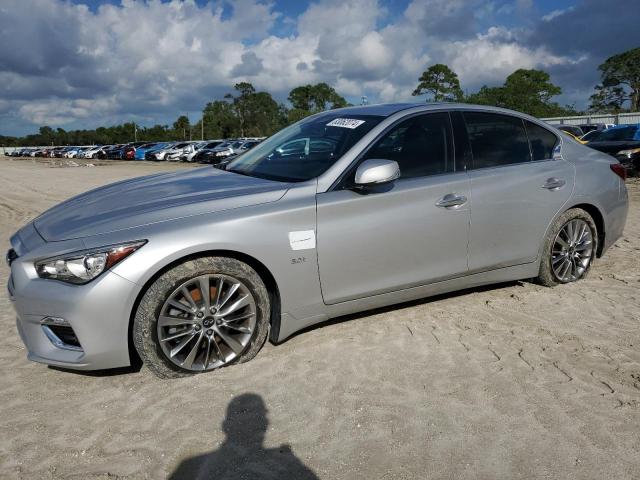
(344, 211)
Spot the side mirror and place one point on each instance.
(376, 172)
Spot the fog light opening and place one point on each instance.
(60, 334)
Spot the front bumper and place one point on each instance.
(98, 313)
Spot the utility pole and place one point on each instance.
(202, 128)
(135, 132)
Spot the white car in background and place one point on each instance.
(172, 152)
(92, 152)
(75, 152)
(191, 150)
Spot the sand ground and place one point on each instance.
(513, 381)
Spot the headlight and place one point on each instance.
(629, 153)
(82, 267)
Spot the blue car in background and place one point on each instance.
(150, 147)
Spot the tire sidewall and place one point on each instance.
(145, 332)
(546, 275)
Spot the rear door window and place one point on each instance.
(542, 141)
(496, 139)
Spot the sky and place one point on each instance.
(82, 64)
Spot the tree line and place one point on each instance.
(250, 113)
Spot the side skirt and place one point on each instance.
(290, 324)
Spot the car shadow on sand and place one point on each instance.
(242, 455)
(408, 304)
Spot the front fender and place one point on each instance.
(260, 232)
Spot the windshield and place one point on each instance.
(305, 149)
(592, 135)
(621, 133)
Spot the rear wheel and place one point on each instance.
(201, 315)
(569, 248)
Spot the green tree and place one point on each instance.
(440, 83)
(309, 99)
(242, 103)
(48, 135)
(528, 91)
(220, 120)
(182, 127)
(620, 83)
(257, 113)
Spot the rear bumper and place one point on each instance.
(616, 218)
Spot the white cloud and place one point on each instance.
(153, 60)
(556, 13)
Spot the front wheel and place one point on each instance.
(569, 248)
(201, 315)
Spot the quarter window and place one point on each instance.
(542, 141)
(422, 146)
(496, 139)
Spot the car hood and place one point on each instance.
(614, 147)
(152, 199)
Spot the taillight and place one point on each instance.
(619, 170)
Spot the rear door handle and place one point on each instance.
(554, 183)
(451, 200)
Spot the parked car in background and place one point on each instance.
(142, 149)
(174, 153)
(190, 151)
(588, 127)
(207, 154)
(572, 129)
(72, 152)
(623, 143)
(93, 152)
(58, 152)
(591, 135)
(109, 152)
(41, 152)
(227, 149)
(247, 145)
(160, 155)
(573, 137)
(194, 269)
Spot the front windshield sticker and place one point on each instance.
(345, 123)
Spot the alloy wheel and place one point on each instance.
(207, 322)
(572, 251)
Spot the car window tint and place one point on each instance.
(542, 141)
(421, 145)
(496, 139)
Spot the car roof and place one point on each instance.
(637, 125)
(386, 110)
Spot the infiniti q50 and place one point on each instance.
(344, 211)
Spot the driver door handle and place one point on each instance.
(554, 183)
(451, 200)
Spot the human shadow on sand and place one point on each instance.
(242, 455)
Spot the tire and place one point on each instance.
(156, 300)
(547, 275)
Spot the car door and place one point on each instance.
(408, 233)
(517, 188)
